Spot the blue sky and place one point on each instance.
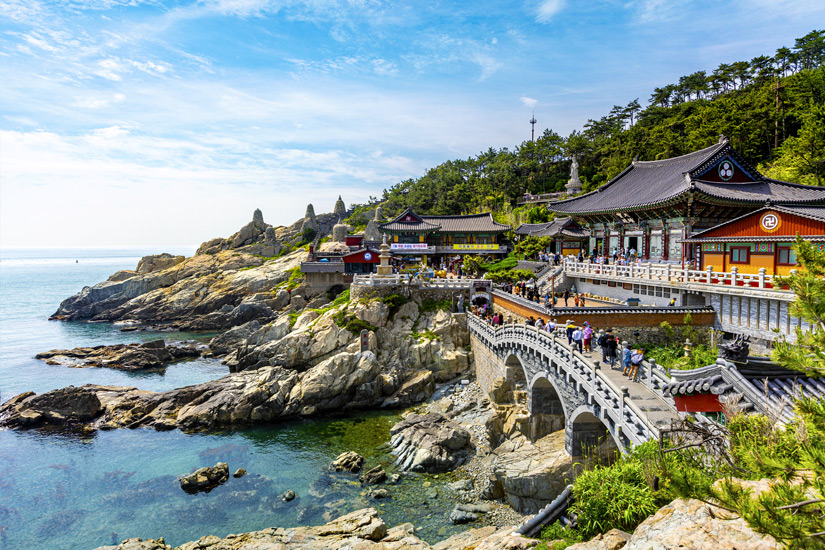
(130, 122)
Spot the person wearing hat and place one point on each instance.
(570, 328)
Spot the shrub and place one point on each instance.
(395, 301)
(342, 298)
(352, 323)
(556, 537)
(429, 305)
(616, 496)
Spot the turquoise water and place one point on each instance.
(64, 491)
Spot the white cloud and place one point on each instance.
(549, 8)
(529, 102)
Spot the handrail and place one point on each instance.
(671, 274)
(581, 369)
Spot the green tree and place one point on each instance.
(804, 153)
(807, 354)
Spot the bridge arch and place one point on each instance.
(515, 373)
(587, 434)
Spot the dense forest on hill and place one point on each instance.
(772, 109)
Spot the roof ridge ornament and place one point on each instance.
(723, 138)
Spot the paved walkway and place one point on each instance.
(657, 412)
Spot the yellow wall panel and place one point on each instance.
(716, 260)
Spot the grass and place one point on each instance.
(352, 323)
(430, 305)
(295, 278)
(426, 335)
(395, 301)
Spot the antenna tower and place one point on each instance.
(533, 127)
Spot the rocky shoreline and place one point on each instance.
(154, 355)
(296, 353)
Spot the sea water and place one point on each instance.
(70, 491)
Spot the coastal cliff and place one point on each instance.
(228, 282)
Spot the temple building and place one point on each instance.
(568, 236)
(431, 238)
(654, 207)
(759, 240)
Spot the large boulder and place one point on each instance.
(65, 406)
(128, 357)
(429, 443)
(205, 479)
(156, 262)
(531, 475)
(690, 524)
(349, 461)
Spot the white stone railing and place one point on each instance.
(613, 402)
(674, 275)
(402, 279)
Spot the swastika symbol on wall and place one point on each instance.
(770, 222)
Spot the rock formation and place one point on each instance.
(429, 443)
(130, 357)
(530, 475)
(340, 208)
(372, 233)
(204, 292)
(348, 462)
(362, 530)
(156, 262)
(339, 232)
(310, 221)
(205, 479)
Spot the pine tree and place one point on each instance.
(807, 354)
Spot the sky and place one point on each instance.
(151, 123)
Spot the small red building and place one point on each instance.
(361, 261)
(761, 239)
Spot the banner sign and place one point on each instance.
(408, 246)
(475, 247)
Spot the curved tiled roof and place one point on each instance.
(483, 223)
(528, 228)
(641, 184)
(759, 192)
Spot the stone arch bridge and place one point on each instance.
(597, 404)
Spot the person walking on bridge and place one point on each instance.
(566, 296)
(609, 348)
(570, 328)
(577, 336)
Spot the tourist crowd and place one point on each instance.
(580, 338)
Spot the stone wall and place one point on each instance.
(618, 292)
(358, 292)
(487, 365)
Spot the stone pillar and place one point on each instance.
(384, 268)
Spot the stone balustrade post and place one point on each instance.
(667, 272)
(710, 274)
(734, 274)
(625, 395)
(651, 368)
(647, 269)
(762, 272)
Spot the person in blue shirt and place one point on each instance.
(626, 353)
